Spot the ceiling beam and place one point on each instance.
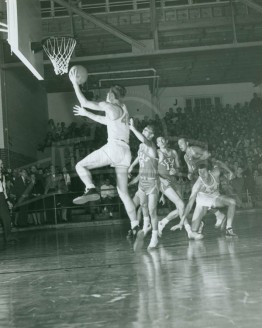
(252, 5)
(166, 51)
(189, 50)
(100, 24)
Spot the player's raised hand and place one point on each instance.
(131, 122)
(73, 75)
(172, 171)
(79, 111)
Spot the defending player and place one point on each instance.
(148, 179)
(168, 167)
(195, 155)
(206, 194)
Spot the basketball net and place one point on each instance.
(59, 50)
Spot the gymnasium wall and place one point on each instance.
(229, 93)
(26, 115)
(60, 105)
(140, 103)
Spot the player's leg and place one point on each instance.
(122, 188)
(199, 212)
(94, 160)
(230, 203)
(220, 219)
(172, 195)
(152, 206)
(136, 201)
(145, 211)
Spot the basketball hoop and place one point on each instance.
(59, 50)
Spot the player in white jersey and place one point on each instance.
(115, 153)
(193, 156)
(205, 193)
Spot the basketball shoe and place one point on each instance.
(90, 195)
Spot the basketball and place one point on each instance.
(81, 73)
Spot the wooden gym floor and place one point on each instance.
(90, 277)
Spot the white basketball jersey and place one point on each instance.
(119, 129)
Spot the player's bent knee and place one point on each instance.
(232, 202)
(79, 166)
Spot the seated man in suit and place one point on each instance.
(108, 193)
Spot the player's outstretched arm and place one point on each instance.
(79, 94)
(191, 201)
(200, 153)
(138, 134)
(80, 111)
(176, 158)
(130, 169)
(134, 181)
(220, 165)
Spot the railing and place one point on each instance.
(51, 9)
(50, 205)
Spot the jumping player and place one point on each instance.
(148, 179)
(168, 167)
(206, 194)
(115, 153)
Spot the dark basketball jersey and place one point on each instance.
(166, 165)
(147, 164)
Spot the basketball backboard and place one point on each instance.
(24, 28)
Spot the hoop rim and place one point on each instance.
(57, 37)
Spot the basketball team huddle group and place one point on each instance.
(158, 168)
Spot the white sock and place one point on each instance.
(164, 221)
(146, 221)
(134, 223)
(187, 227)
(90, 186)
(154, 234)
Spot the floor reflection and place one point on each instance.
(92, 278)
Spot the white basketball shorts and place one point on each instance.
(207, 200)
(115, 153)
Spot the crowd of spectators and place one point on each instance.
(31, 191)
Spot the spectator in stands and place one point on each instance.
(255, 104)
(22, 189)
(37, 205)
(238, 185)
(108, 194)
(62, 200)
(66, 177)
(4, 211)
(51, 181)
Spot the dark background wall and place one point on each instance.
(25, 112)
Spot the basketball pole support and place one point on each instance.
(36, 47)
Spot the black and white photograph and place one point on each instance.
(130, 163)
